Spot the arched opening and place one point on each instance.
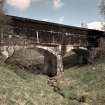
(35, 58)
(50, 63)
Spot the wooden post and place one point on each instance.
(1, 35)
(37, 36)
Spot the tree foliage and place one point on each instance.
(102, 10)
(102, 7)
(2, 12)
(2, 2)
(3, 18)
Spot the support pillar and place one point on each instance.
(59, 64)
(53, 62)
(59, 61)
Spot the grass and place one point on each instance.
(83, 85)
(18, 87)
(87, 83)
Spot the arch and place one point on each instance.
(82, 54)
(50, 56)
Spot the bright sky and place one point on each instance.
(70, 12)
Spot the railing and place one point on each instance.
(12, 35)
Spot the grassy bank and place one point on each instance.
(80, 86)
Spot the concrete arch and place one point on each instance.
(8, 51)
(82, 54)
(53, 55)
(50, 61)
(50, 56)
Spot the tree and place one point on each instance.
(1, 11)
(102, 10)
(2, 5)
(4, 19)
(1, 17)
(102, 7)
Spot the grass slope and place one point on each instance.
(19, 87)
(81, 86)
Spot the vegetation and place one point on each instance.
(80, 85)
(102, 7)
(83, 85)
(2, 5)
(102, 11)
(3, 18)
(2, 2)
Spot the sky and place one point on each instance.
(69, 12)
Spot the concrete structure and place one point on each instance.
(54, 40)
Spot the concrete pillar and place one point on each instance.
(53, 63)
(59, 64)
(59, 60)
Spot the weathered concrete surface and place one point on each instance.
(53, 56)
